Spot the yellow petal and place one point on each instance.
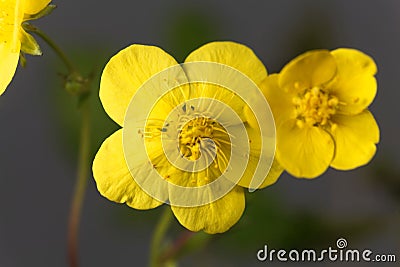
(279, 101)
(113, 179)
(310, 69)
(355, 84)
(35, 6)
(304, 152)
(269, 145)
(274, 172)
(355, 138)
(234, 55)
(222, 94)
(216, 217)
(8, 66)
(126, 72)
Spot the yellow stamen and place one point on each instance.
(192, 134)
(315, 107)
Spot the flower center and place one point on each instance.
(315, 107)
(192, 135)
(203, 134)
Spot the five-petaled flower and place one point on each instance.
(124, 74)
(319, 101)
(13, 38)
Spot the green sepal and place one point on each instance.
(22, 60)
(77, 85)
(29, 44)
(44, 12)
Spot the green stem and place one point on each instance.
(30, 28)
(177, 247)
(80, 186)
(159, 233)
(84, 148)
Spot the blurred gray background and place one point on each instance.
(39, 133)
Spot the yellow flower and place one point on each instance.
(13, 38)
(320, 101)
(187, 136)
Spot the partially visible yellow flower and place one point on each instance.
(319, 101)
(13, 38)
(193, 128)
